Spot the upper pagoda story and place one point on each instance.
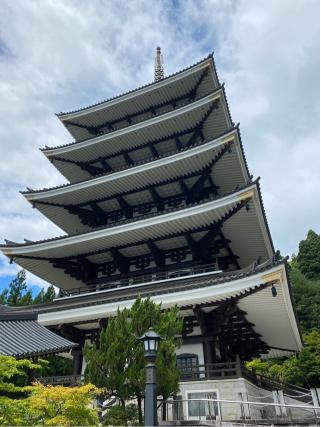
(179, 179)
(165, 190)
(151, 100)
(185, 126)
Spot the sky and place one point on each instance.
(60, 55)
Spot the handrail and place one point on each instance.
(244, 402)
(61, 379)
(129, 280)
(259, 379)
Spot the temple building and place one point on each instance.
(160, 202)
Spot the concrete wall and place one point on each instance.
(228, 389)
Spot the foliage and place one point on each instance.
(18, 293)
(120, 415)
(56, 365)
(45, 296)
(15, 375)
(306, 294)
(25, 404)
(51, 406)
(308, 259)
(118, 364)
(303, 369)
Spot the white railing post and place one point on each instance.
(276, 400)
(315, 393)
(283, 409)
(245, 408)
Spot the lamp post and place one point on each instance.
(151, 342)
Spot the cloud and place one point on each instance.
(61, 55)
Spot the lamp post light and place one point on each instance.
(151, 342)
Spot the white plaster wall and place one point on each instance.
(192, 349)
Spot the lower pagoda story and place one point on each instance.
(227, 317)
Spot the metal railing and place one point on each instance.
(208, 409)
(130, 280)
(62, 380)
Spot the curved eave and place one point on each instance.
(257, 238)
(185, 161)
(129, 96)
(28, 338)
(274, 318)
(138, 133)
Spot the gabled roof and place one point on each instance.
(81, 123)
(22, 336)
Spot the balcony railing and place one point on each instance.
(72, 380)
(130, 280)
(212, 371)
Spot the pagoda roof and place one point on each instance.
(248, 224)
(133, 183)
(212, 110)
(22, 336)
(126, 108)
(273, 318)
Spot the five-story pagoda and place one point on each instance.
(160, 203)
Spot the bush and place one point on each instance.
(122, 415)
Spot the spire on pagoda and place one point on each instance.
(158, 66)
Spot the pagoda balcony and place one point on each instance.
(129, 280)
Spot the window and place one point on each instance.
(188, 366)
(202, 409)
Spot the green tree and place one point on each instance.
(118, 363)
(15, 375)
(17, 293)
(308, 259)
(306, 294)
(56, 365)
(302, 369)
(36, 404)
(45, 296)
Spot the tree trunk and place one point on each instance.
(139, 399)
(164, 409)
(123, 404)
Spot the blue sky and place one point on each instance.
(61, 55)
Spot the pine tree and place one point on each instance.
(17, 293)
(44, 297)
(308, 259)
(118, 363)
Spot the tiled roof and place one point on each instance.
(153, 289)
(139, 88)
(126, 221)
(22, 336)
(135, 164)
